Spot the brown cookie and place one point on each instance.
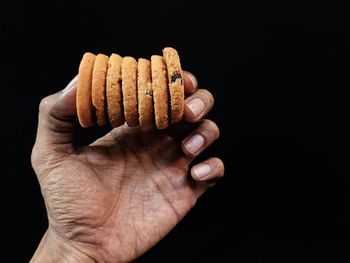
(145, 94)
(99, 87)
(129, 82)
(176, 83)
(83, 95)
(160, 91)
(114, 91)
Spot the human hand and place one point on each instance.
(114, 199)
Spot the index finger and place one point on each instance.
(190, 83)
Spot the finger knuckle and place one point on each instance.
(49, 107)
(44, 105)
(209, 97)
(221, 169)
(219, 166)
(213, 128)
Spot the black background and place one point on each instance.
(279, 72)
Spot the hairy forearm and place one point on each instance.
(51, 250)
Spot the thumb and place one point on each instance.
(57, 118)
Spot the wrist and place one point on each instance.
(53, 249)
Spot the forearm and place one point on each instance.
(51, 250)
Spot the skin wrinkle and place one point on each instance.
(187, 178)
(144, 169)
(67, 223)
(67, 241)
(135, 239)
(165, 197)
(60, 199)
(185, 184)
(171, 182)
(114, 223)
(117, 199)
(54, 112)
(68, 121)
(91, 166)
(185, 171)
(178, 216)
(133, 222)
(49, 163)
(120, 190)
(67, 152)
(145, 173)
(65, 147)
(131, 196)
(53, 127)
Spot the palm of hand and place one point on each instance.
(121, 194)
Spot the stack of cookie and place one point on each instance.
(115, 90)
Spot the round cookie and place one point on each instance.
(83, 94)
(129, 82)
(145, 94)
(160, 91)
(176, 83)
(114, 91)
(99, 87)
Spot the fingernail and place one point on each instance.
(71, 85)
(202, 170)
(194, 143)
(196, 106)
(193, 80)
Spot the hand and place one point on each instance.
(114, 199)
